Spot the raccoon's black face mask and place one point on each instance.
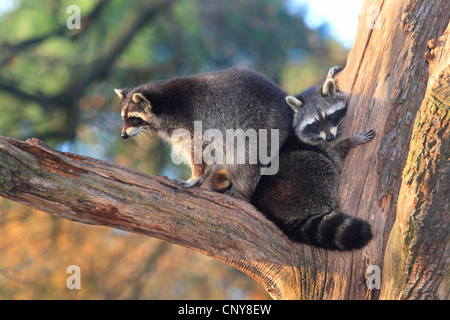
(136, 113)
(318, 112)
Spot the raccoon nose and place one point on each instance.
(125, 135)
(330, 137)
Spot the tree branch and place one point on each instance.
(92, 191)
(68, 99)
(19, 93)
(60, 31)
(138, 17)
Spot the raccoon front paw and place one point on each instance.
(366, 136)
(235, 194)
(185, 184)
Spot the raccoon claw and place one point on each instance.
(367, 136)
(184, 184)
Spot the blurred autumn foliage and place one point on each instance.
(57, 84)
(36, 250)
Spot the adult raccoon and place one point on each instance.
(302, 197)
(230, 99)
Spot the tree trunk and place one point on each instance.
(415, 260)
(387, 75)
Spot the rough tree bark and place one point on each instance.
(415, 263)
(392, 92)
(388, 74)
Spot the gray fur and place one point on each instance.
(228, 99)
(323, 102)
(302, 198)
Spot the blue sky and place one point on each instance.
(342, 16)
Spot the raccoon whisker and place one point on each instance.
(143, 131)
(115, 124)
(140, 130)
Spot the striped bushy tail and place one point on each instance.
(332, 231)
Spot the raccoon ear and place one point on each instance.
(294, 103)
(139, 97)
(329, 88)
(121, 93)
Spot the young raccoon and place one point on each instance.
(228, 99)
(302, 197)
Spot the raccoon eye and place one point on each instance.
(312, 128)
(136, 121)
(337, 116)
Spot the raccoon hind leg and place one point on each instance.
(238, 182)
(244, 179)
(218, 181)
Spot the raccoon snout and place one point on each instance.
(125, 135)
(330, 137)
